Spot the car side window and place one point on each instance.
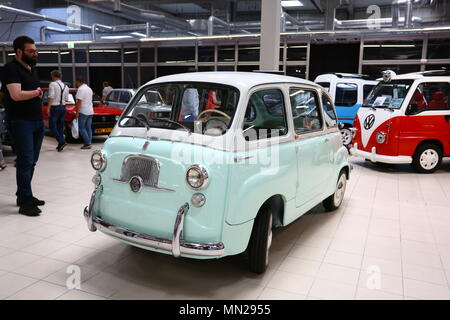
(125, 97)
(346, 94)
(329, 114)
(110, 96)
(305, 110)
(430, 96)
(265, 116)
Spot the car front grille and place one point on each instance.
(105, 118)
(145, 167)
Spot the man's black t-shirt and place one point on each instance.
(14, 72)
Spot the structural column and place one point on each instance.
(270, 35)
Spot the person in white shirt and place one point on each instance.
(85, 110)
(106, 90)
(190, 103)
(58, 93)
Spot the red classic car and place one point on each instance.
(103, 121)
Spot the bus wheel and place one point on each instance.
(427, 158)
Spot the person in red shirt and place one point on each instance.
(213, 102)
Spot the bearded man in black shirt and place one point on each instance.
(23, 100)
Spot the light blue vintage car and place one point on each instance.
(236, 155)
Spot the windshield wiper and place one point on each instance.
(142, 121)
(172, 122)
(369, 106)
(146, 121)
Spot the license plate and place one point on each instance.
(103, 130)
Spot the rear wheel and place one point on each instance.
(427, 158)
(335, 200)
(260, 241)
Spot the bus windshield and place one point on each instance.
(388, 94)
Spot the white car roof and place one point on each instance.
(329, 76)
(241, 80)
(125, 89)
(415, 76)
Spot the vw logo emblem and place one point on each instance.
(368, 123)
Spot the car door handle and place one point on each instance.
(447, 118)
(326, 140)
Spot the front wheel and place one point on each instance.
(427, 158)
(335, 200)
(346, 136)
(260, 241)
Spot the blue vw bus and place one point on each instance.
(348, 91)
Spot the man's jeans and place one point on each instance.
(56, 122)
(85, 127)
(28, 136)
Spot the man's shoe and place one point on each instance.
(86, 147)
(61, 147)
(35, 202)
(32, 211)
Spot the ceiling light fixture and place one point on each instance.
(138, 34)
(290, 4)
(116, 37)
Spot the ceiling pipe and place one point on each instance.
(408, 14)
(395, 9)
(164, 18)
(214, 20)
(148, 29)
(96, 26)
(318, 6)
(92, 29)
(39, 16)
(286, 17)
(362, 23)
(161, 19)
(117, 5)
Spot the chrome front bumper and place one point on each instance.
(374, 157)
(176, 245)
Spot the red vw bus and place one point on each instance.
(406, 119)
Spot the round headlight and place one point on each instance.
(98, 161)
(197, 177)
(198, 199)
(381, 137)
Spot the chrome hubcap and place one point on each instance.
(269, 239)
(429, 159)
(346, 136)
(340, 190)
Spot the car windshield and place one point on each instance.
(388, 94)
(204, 108)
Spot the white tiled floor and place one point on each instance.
(390, 240)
